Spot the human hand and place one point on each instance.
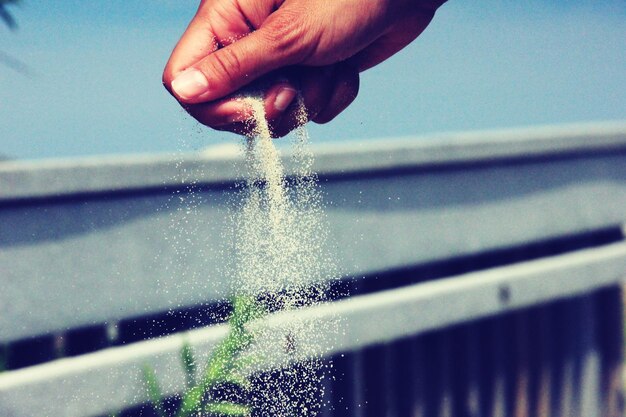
(315, 46)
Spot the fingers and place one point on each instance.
(222, 113)
(222, 72)
(326, 92)
(231, 43)
(278, 99)
(345, 90)
(197, 42)
(216, 23)
(316, 87)
(235, 113)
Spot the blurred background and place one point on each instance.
(83, 78)
(486, 268)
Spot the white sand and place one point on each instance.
(280, 239)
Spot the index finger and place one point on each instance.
(197, 42)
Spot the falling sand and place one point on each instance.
(281, 252)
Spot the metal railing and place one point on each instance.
(492, 263)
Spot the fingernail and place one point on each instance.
(190, 84)
(284, 98)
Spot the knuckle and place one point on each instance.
(286, 35)
(228, 64)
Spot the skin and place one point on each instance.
(316, 47)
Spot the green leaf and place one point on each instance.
(189, 365)
(154, 390)
(216, 365)
(227, 409)
(247, 361)
(192, 401)
(245, 309)
(236, 378)
(222, 361)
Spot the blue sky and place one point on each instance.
(93, 85)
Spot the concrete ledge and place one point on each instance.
(53, 178)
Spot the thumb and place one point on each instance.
(276, 44)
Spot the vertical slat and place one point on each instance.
(590, 361)
(458, 371)
(574, 326)
(564, 346)
(497, 407)
(473, 360)
(390, 388)
(347, 385)
(487, 369)
(543, 363)
(511, 366)
(342, 384)
(431, 375)
(326, 374)
(445, 361)
(286, 391)
(326, 400)
(437, 386)
(522, 371)
(403, 379)
(557, 358)
(375, 381)
(418, 406)
(358, 364)
(610, 329)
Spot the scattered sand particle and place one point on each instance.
(280, 241)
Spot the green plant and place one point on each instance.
(222, 367)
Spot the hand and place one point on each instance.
(315, 46)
